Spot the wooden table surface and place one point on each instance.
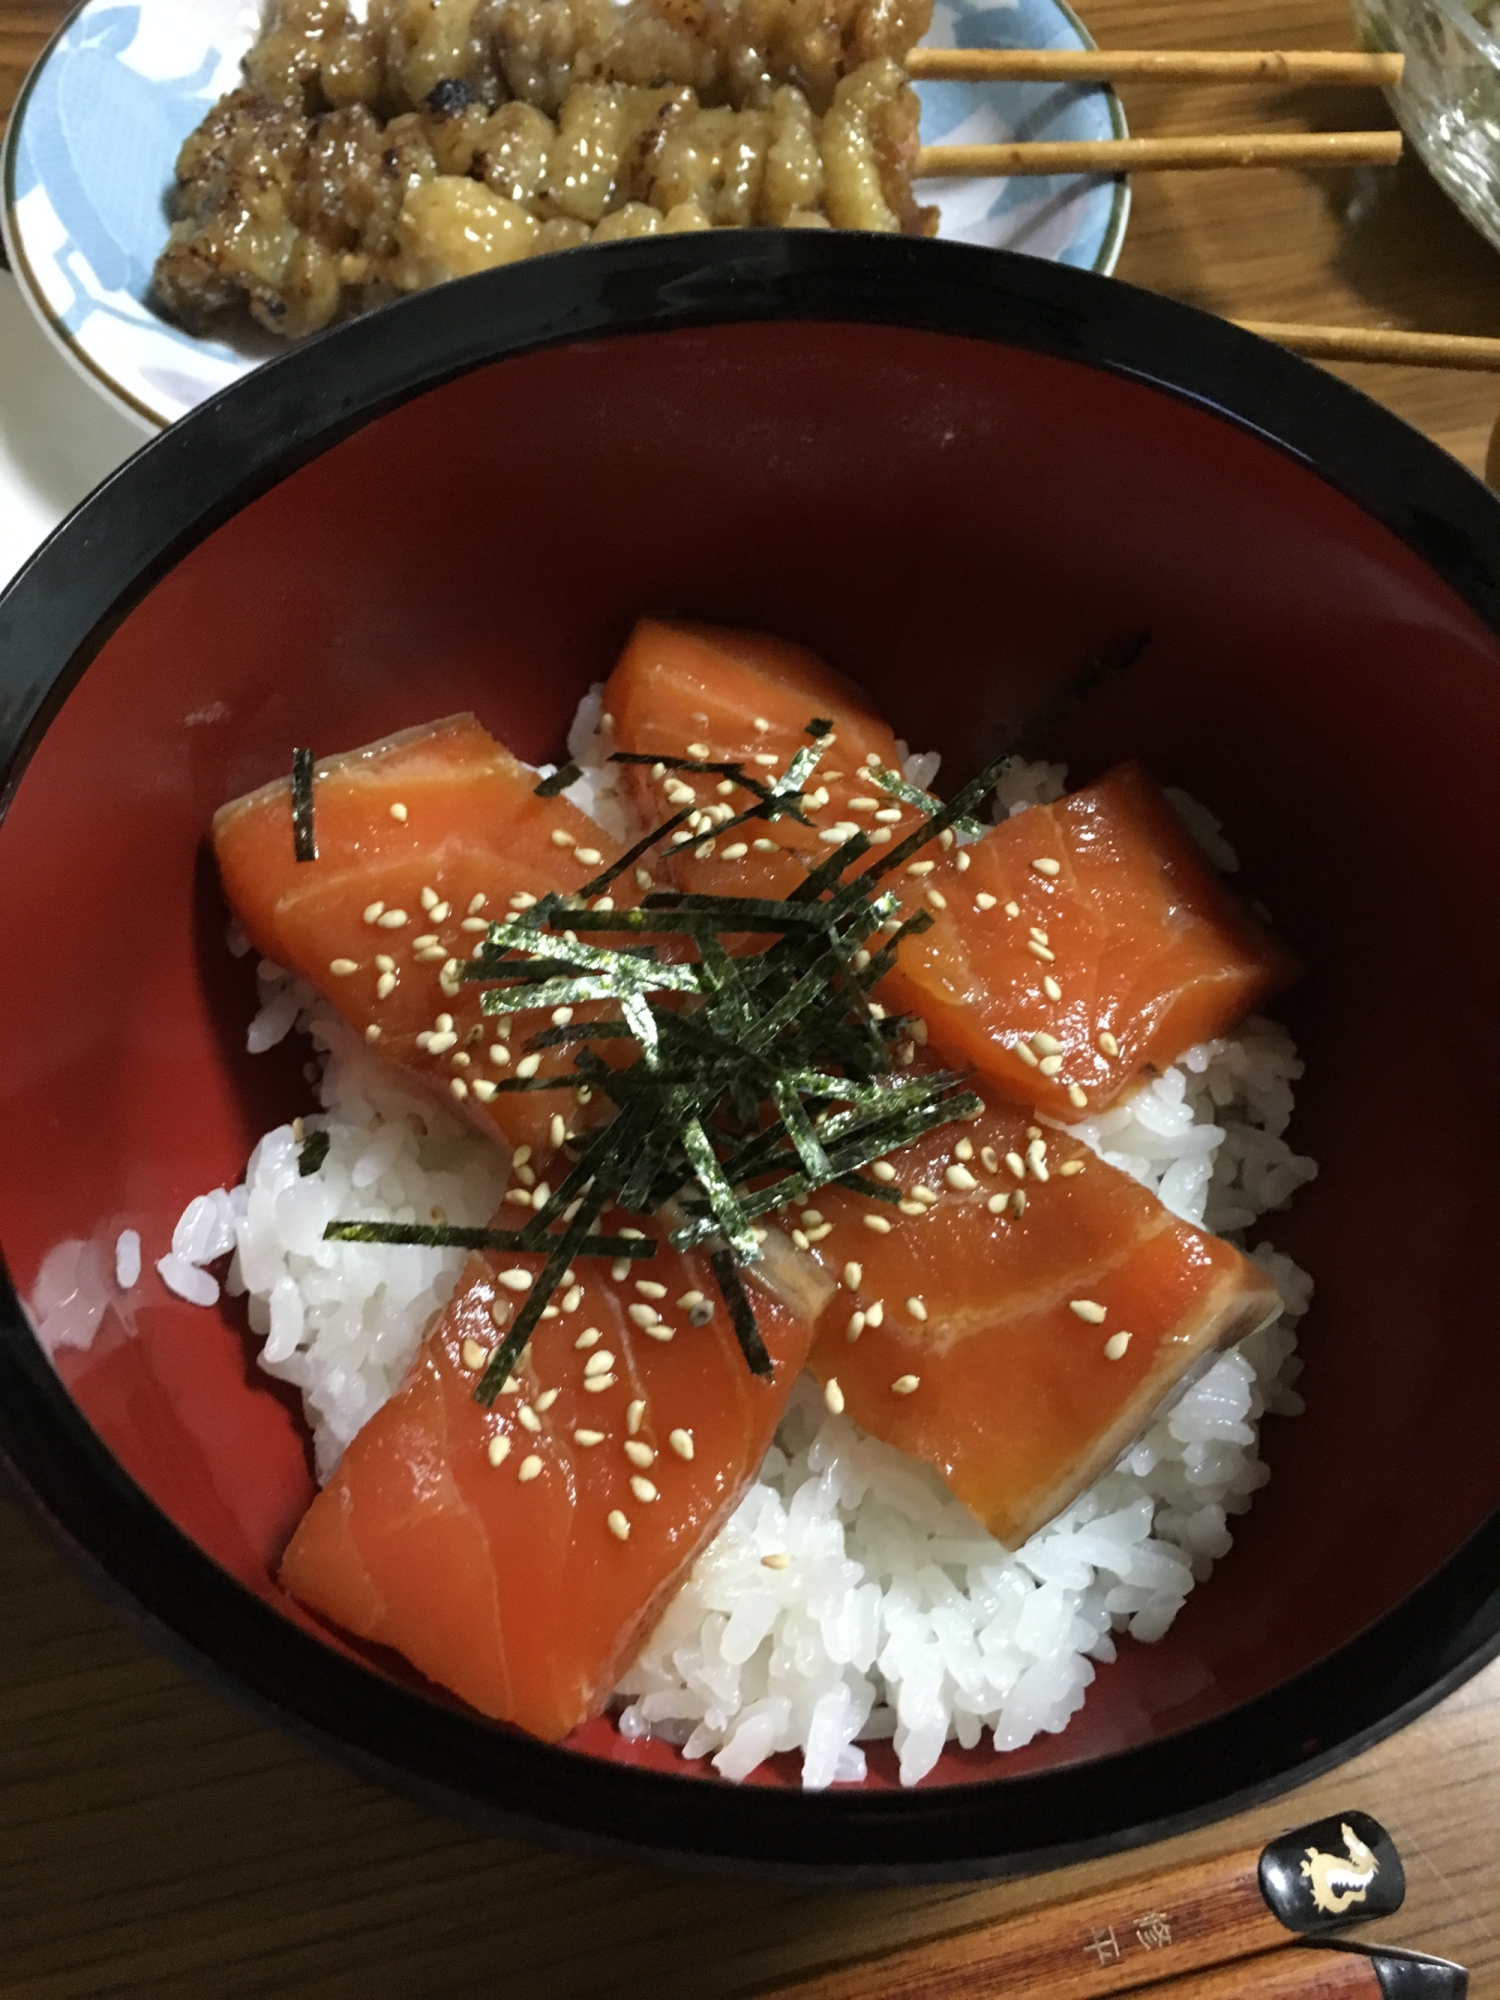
(155, 1840)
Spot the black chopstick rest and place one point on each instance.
(1337, 1871)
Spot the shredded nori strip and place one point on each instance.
(313, 1153)
(760, 1077)
(304, 836)
(1030, 738)
(741, 1314)
(449, 1236)
(561, 778)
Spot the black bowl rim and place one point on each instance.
(169, 497)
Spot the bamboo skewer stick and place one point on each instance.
(1357, 343)
(1120, 156)
(1289, 66)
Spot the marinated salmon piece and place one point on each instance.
(423, 839)
(1023, 1314)
(1079, 943)
(702, 692)
(519, 1554)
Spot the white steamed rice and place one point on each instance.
(897, 1615)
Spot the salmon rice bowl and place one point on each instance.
(776, 1254)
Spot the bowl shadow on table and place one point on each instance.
(1403, 247)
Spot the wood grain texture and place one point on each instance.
(1114, 1939)
(157, 1842)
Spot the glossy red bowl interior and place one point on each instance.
(959, 524)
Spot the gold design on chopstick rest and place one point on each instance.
(1103, 1944)
(1340, 1879)
(1154, 1929)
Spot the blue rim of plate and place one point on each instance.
(981, 23)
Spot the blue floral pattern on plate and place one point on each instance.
(90, 150)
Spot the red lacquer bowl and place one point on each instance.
(959, 475)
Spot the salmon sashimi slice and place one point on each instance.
(702, 692)
(1019, 1352)
(422, 840)
(519, 1554)
(1078, 944)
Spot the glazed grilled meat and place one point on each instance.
(442, 137)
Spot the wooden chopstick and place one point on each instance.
(1357, 343)
(1122, 156)
(1231, 1910)
(1283, 66)
(1350, 1972)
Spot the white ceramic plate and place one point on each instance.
(90, 149)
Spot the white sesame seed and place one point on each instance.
(1045, 865)
(856, 1326)
(516, 1280)
(1040, 951)
(937, 899)
(879, 1224)
(1071, 1167)
(398, 812)
(883, 1170)
(599, 1363)
(1039, 934)
(650, 1289)
(475, 924)
(529, 1419)
(1078, 1096)
(561, 837)
(1018, 1202)
(641, 1315)
(961, 861)
(641, 1487)
(391, 920)
(735, 852)
(699, 750)
(920, 867)
(528, 1066)
(342, 967)
(372, 1032)
(372, 912)
(528, 1469)
(572, 1298)
(1116, 1345)
(888, 815)
(764, 846)
(597, 1384)
(634, 1414)
(1036, 1158)
(444, 1024)
(779, 1559)
(913, 1208)
(799, 1239)
(385, 986)
(833, 1396)
(997, 1204)
(853, 1275)
(590, 1337)
(984, 901)
(918, 1309)
(639, 1453)
(1108, 1043)
(682, 1443)
(430, 899)
(439, 1041)
(617, 1524)
(989, 1159)
(518, 1197)
(547, 1398)
(960, 1178)
(904, 1384)
(1088, 1309)
(1045, 1044)
(498, 1450)
(588, 1438)
(1026, 1053)
(689, 1300)
(458, 1087)
(1051, 988)
(875, 1314)
(1013, 909)
(1050, 1065)
(760, 725)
